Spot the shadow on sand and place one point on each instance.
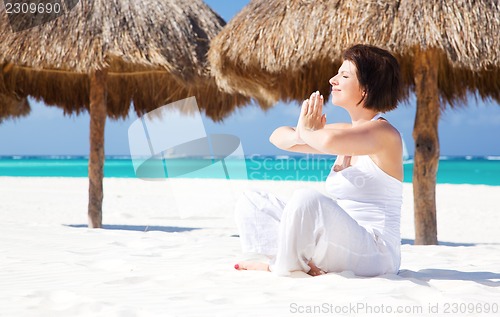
(424, 276)
(449, 244)
(139, 228)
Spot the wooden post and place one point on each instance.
(425, 134)
(96, 158)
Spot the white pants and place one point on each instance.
(310, 227)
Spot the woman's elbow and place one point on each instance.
(276, 139)
(272, 138)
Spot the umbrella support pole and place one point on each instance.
(425, 134)
(97, 111)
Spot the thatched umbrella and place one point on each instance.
(283, 50)
(104, 54)
(13, 107)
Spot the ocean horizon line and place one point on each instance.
(484, 170)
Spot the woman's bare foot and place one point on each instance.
(260, 266)
(314, 271)
(250, 265)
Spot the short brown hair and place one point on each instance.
(378, 74)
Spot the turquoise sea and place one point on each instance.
(452, 170)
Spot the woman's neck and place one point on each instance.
(361, 117)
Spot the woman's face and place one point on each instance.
(346, 90)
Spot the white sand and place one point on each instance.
(165, 259)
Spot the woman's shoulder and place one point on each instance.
(390, 159)
(388, 130)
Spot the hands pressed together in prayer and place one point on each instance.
(311, 116)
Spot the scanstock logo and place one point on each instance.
(26, 14)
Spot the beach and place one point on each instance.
(168, 249)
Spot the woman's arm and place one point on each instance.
(286, 138)
(369, 138)
(340, 125)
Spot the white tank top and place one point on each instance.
(370, 196)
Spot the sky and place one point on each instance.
(473, 129)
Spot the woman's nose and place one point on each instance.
(333, 81)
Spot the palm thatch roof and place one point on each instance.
(154, 52)
(284, 49)
(13, 107)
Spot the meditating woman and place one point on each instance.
(356, 227)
